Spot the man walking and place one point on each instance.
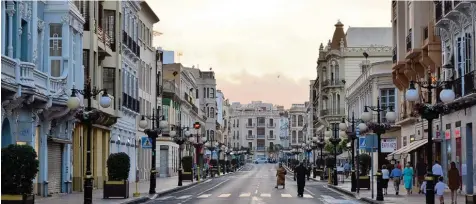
(301, 172)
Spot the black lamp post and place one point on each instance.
(88, 116)
(307, 149)
(430, 113)
(181, 138)
(158, 124)
(314, 147)
(352, 136)
(197, 142)
(227, 152)
(378, 129)
(212, 146)
(335, 140)
(321, 144)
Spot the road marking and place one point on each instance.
(164, 198)
(286, 195)
(245, 195)
(307, 190)
(326, 197)
(265, 195)
(224, 195)
(307, 196)
(204, 196)
(184, 197)
(213, 187)
(256, 191)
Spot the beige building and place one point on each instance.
(296, 117)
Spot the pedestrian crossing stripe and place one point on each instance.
(184, 197)
(165, 197)
(307, 196)
(266, 195)
(245, 195)
(224, 195)
(204, 196)
(286, 195)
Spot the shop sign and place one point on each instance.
(447, 134)
(388, 145)
(457, 132)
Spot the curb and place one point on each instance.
(144, 199)
(354, 195)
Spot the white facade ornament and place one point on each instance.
(34, 57)
(65, 19)
(41, 25)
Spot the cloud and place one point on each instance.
(245, 87)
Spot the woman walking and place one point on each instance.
(385, 177)
(453, 181)
(281, 174)
(408, 178)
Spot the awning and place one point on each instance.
(344, 155)
(407, 149)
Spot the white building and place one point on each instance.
(296, 115)
(432, 35)
(149, 75)
(255, 126)
(338, 66)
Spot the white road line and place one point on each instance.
(213, 187)
(326, 197)
(307, 196)
(204, 196)
(245, 195)
(184, 197)
(224, 195)
(286, 196)
(307, 190)
(265, 195)
(164, 198)
(256, 191)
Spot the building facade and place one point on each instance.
(430, 37)
(256, 126)
(41, 62)
(338, 66)
(296, 115)
(149, 73)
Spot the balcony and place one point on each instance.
(130, 47)
(271, 137)
(170, 90)
(271, 125)
(430, 48)
(332, 83)
(448, 11)
(250, 125)
(260, 136)
(250, 137)
(469, 86)
(130, 103)
(260, 148)
(261, 124)
(333, 112)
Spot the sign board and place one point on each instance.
(146, 143)
(447, 134)
(371, 142)
(457, 132)
(388, 145)
(361, 142)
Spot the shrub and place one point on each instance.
(19, 168)
(364, 163)
(187, 163)
(118, 166)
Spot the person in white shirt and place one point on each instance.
(440, 189)
(437, 170)
(385, 178)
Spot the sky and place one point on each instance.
(260, 50)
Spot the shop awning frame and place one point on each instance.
(407, 149)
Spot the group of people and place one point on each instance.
(300, 173)
(408, 174)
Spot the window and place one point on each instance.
(250, 145)
(110, 16)
(294, 137)
(300, 121)
(387, 99)
(208, 111)
(212, 93)
(109, 80)
(271, 122)
(56, 45)
(212, 135)
(208, 93)
(250, 132)
(196, 93)
(261, 120)
(204, 92)
(294, 121)
(250, 121)
(212, 112)
(86, 64)
(300, 137)
(271, 134)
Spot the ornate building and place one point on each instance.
(296, 118)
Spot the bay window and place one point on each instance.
(56, 48)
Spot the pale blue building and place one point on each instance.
(41, 61)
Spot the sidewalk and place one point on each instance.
(164, 185)
(365, 195)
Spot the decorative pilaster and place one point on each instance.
(10, 13)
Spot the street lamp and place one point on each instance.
(429, 113)
(379, 129)
(158, 124)
(88, 117)
(352, 137)
(197, 142)
(181, 138)
(335, 140)
(321, 144)
(211, 146)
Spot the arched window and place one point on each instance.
(212, 112)
(300, 121)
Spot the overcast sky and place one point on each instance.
(259, 49)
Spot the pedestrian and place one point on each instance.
(453, 181)
(408, 178)
(437, 170)
(440, 189)
(281, 174)
(301, 178)
(385, 178)
(396, 176)
(423, 186)
(399, 165)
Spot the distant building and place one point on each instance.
(169, 56)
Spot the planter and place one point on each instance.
(187, 176)
(364, 182)
(18, 199)
(116, 189)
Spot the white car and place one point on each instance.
(261, 160)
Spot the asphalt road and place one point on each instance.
(254, 184)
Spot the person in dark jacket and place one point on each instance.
(301, 172)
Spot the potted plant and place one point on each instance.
(19, 168)
(117, 185)
(364, 164)
(187, 163)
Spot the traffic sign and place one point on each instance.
(361, 142)
(146, 143)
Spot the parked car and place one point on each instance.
(261, 160)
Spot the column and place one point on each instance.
(4, 23)
(10, 12)
(43, 157)
(34, 30)
(67, 167)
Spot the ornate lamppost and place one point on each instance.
(430, 112)
(314, 147)
(158, 124)
(379, 128)
(352, 137)
(181, 138)
(211, 146)
(198, 142)
(335, 140)
(88, 116)
(321, 144)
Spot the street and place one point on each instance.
(254, 184)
